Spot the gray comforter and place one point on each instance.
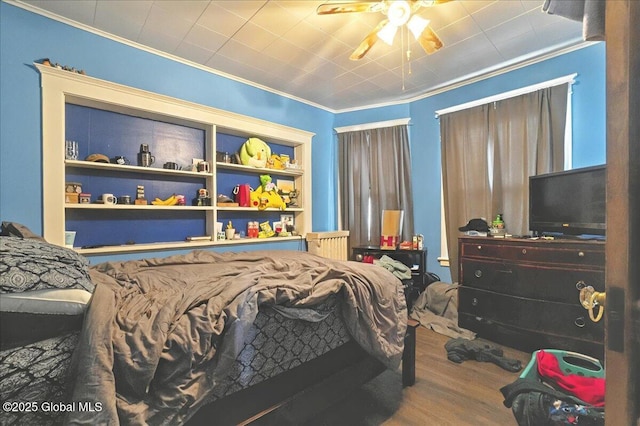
(152, 347)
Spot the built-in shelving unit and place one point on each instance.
(104, 229)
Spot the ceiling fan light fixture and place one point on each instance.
(399, 13)
(417, 25)
(388, 33)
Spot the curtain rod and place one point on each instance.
(506, 95)
(369, 126)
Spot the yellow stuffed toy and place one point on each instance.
(267, 195)
(275, 162)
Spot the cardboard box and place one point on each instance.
(71, 197)
(391, 229)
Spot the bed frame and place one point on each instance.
(302, 392)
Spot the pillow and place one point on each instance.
(31, 264)
(68, 301)
(13, 229)
(32, 316)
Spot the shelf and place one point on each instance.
(253, 209)
(251, 169)
(179, 245)
(136, 169)
(122, 118)
(134, 207)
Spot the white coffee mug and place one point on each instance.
(109, 199)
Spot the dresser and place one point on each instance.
(524, 293)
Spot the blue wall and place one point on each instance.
(27, 37)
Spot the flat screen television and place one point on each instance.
(571, 202)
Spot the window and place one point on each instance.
(490, 148)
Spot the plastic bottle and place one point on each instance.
(498, 223)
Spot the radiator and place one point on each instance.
(332, 245)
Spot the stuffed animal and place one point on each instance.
(275, 162)
(255, 152)
(267, 195)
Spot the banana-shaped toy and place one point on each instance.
(171, 201)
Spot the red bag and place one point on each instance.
(243, 195)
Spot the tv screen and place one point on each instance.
(572, 202)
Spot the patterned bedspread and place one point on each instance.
(36, 373)
(275, 344)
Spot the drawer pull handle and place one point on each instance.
(474, 302)
(580, 285)
(580, 322)
(524, 251)
(478, 273)
(505, 271)
(479, 247)
(580, 254)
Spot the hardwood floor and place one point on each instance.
(445, 393)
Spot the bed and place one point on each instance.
(204, 335)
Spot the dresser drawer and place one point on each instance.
(542, 252)
(551, 318)
(552, 283)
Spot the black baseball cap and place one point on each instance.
(477, 224)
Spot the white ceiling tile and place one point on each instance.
(254, 36)
(125, 19)
(473, 6)
(508, 30)
(459, 30)
(163, 21)
(188, 10)
(305, 35)
(286, 52)
(239, 52)
(83, 12)
(444, 14)
(221, 20)
(244, 9)
(275, 19)
(162, 41)
(193, 53)
(530, 5)
(205, 38)
(497, 12)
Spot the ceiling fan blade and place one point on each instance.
(429, 41)
(363, 6)
(368, 42)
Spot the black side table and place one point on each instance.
(414, 259)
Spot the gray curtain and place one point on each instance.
(488, 154)
(375, 175)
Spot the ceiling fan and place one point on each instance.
(399, 13)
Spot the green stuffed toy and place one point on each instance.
(267, 195)
(255, 152)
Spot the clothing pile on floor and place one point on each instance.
(437, 309)
(459, 350)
